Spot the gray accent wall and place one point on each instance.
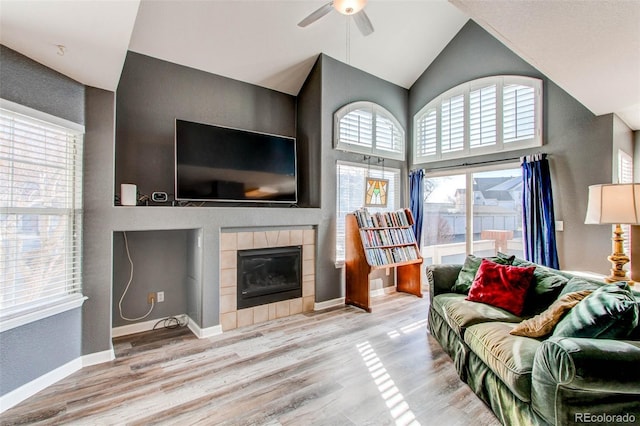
(153, 93)
(29, 351)
(29, 83)
(331, 85)
(579, 144)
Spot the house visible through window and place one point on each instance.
(41, 216)
(474, 212)
(483, 116)
(351, 186)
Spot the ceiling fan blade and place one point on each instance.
(363, 23)
(314, 16)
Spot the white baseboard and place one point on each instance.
(98, 358)
(138, 327)
(203, 333)
(27, 390)
(318, 306)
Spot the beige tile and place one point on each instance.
(282, 309)
(228, 277)
(228, 241)
(245, 317)
(296, 237)
(272, 238)
(309, 236)
(260, 314)
(228, 303)
(308, 303)
(228, 321)
(232, 290)
(283, 239)
(295, 306)
(245, 240)
(228, 259)
(308, 252)
(308, 267)
(272, 311)
(260, 240)
(309, 286)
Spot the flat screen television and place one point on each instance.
(215, 163)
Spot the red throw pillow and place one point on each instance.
(503, 286)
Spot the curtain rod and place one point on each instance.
(478, 163)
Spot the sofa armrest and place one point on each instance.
(574, 378)
(441, 278)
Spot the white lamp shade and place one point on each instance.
(614, 204)
(349, 7)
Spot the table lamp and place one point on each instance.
(615, 204)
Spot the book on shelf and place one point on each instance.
(390, 255)
(393, 219)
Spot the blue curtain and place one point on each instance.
(416, 203)
(538, 219)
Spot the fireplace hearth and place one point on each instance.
(269, 275)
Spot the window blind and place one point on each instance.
(452, 129)
(41, 216)
(482, 116)
(367, 128)
(490, 114)
(518, 114)
(350, 195)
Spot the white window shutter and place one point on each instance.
(452, 127)
(482, 117)
(518, 114)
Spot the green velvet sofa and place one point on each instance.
(536, 381)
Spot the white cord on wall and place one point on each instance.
(153, 304)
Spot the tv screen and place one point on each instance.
(215, 163)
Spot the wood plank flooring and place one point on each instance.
(341, 366)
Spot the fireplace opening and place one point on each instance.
(269, 275)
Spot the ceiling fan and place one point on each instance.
(353, 8)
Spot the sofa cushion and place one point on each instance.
(509, 357)
(543, 323)
(470, 268)
(610, 312)
(460, 313)
(502, 286)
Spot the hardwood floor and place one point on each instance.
(341, 366)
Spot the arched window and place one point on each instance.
(367, 128)
(482, 116)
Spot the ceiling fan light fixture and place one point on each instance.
(349, 7)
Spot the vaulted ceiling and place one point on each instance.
(591, 49)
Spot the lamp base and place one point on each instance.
(618, 259)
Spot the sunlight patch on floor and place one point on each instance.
(407, 329)
(398, 407)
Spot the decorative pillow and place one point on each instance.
(545, 289)
(470, 268)
(578, 284)
(543, 323)
(503, 286)
(610, 312)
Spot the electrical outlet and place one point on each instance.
(151, 297)
(160, 296)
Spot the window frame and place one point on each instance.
(37, 309)
(376, 110)
(468, 173)
(465, 90)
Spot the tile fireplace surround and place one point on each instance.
(230, 242)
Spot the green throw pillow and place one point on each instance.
(545, 289)
(470, 268)
(610, 312)
(577, 284)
